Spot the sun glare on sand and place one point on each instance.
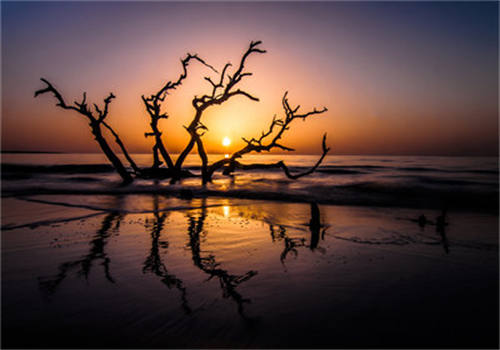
(226, 141)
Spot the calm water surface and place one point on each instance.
(421, 182)
(249, 261)
(140, 271)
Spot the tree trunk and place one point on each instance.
(192, 132)
(122, 147)
(159, 144)
(314, 226)
(178, 164)
(205, 176)
(115, 161)
(156, 158)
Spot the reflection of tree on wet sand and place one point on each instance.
(291, 244)
(441, 224)
(208, 265)
(97, 252)
(401, 239)
(154, 263)
(315, 227)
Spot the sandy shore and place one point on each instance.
(139, 271)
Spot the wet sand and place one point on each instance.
(150, 271)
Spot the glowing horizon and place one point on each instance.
(397, 78)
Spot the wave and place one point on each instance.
(429, 186)
(356, 167)
(340, 171)
(441, 170)
(361, 193)
(443, 181)
(27, 169)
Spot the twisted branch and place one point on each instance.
(278, 127)
(96, 121)
(221, 92)
(78, 107)
(153, 107)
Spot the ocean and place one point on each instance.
(468, 183)
(367, 252)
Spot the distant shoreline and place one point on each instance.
(44, 152)
(272, 154)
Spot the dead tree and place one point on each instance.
(154, 263)
(274, 133)
(222, 90)
(153, 105)
(96, 122)
(290, 244)
(207, 263)
(110, 224)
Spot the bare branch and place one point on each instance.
(281, 164)
(217, 98)
(238, 75)
(107, 101)
(153, 107)
(278, 128)
(122, 147)
(244, 93)
(83, 104)
(95, 126)
(312, 169)
(60, 100)
(185, 62)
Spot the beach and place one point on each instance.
(275, 175)
(82, 268)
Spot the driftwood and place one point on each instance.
(222, 89)
(154, 262)
(96, 121)
(259, 145)
(153, 105)
(97, 252)
(206, 263)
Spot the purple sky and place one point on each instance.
(398, 77)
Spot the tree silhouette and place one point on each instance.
(96, 122)
(97, 252)
(153, 105)
(223, 88)
(259, 145)
(290, 244)
(207, 263)
(154, 263)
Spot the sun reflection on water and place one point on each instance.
(226, 210)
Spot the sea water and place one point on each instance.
(424, 182)
(338, 259)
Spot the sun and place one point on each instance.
(226, 141)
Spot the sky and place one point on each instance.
(398, 78)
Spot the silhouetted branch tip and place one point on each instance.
(275, 132)
(223, 87)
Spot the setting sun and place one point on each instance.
(364, 170)
(226, 141)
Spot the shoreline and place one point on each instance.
(453, 201)
(229, 265)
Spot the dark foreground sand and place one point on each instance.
(142, 271)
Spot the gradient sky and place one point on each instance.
(397, 77)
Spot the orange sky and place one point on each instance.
(425, 84)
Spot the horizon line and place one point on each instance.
(270, 154)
